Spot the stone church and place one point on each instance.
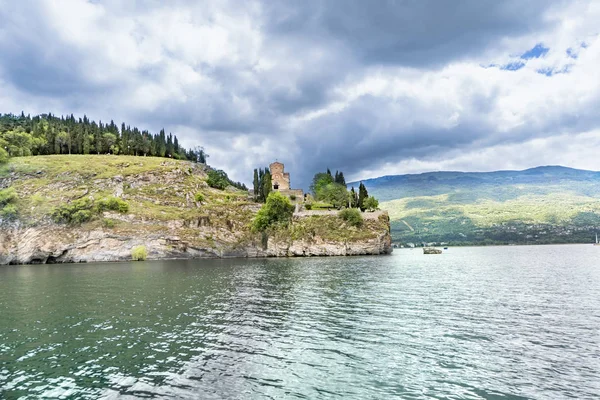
(280, 181)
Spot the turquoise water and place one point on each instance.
(472, 323)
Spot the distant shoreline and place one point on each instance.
(501, 245)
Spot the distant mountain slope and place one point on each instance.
(551, 204)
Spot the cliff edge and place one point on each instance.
(168, 208)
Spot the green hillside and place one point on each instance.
(539, 205)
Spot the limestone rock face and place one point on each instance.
(54, 243)
(163, 215)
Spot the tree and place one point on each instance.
(371, 203)
(217, 179)
(266, 185)
(18, 142)
(335, 194)
(47, 134)
(3, 156)
(62, 140)
(278, 210)
(87, 143)
(353, 198)
(362, 195)
(110, 140)
(339, 178)
(255, 184)
(320, 180)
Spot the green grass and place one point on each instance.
(161, 198)
(443, 218)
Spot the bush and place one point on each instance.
(7, 196)
(3, 156)
(139, 253)
(217, 179)
(81, 216)
(83, 210)
(292, 197)
(351, 216)
(199, 197)
(112, 203)
(108, 223)
(371, 203)
(278, 210)
(308, 205)
(73, 212)
(9, 211)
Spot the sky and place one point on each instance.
(370, 88)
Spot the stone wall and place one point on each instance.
(293, 192)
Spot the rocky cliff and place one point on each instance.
(171, 211)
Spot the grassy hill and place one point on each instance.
(540, 205)
(72, 208)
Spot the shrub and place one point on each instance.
(112, 203)
(108, 223)
(139, 253)
(217, 179)
(371, 203)
(308, 205)
(9, 211)
(351, 216)
(81, 216)
(3, 156)
(83, 210)
(7, 196)
(199, 197)
(292, 197)
(74, 211)
(277, 210)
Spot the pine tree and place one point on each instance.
(255, 183)
(170, 145)
(49, 134)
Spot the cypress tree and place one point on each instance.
(341, 180)
(266, 186)
(255, 183)
(170, 145)
(362, 196)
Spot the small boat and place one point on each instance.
(445, 248)
(431, 250)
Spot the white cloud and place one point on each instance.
(577, 151)
(251, 83)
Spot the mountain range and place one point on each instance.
(549, 204)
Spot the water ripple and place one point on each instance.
(487, 323)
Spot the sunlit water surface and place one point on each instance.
(472, 323)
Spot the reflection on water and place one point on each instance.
(503, 322)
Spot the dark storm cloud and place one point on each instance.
(412, 33)
(273, 64)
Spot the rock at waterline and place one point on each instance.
(431, 250)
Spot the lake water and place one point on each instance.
(472, 323)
